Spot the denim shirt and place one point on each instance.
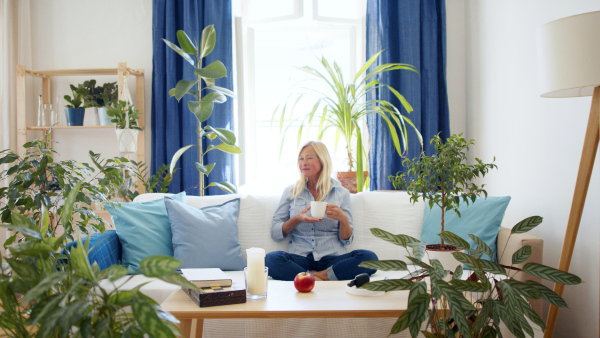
(321, 238)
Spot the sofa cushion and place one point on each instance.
(391, 211)
(104, 248)
(143, 229)
(206, 237)
(481, 218)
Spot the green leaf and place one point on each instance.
(113, 272)
(157, 266)
(186, 43)
(178, 50)
(401, 240)
(145, 314)
(43, 286)
(225, 186)
(521, 255)
(215, 70)
(526, 225)
(45, 220)
(385, 265)
(177, 155)
(22, 229)
(208, 40)
(205, 169)
(551, 274)
(482, 246)
(463, 285)
(69, 206)
(468, 260)
(225, 148)
(23, 270)
(418, 249)
(491, 267)
(122, 298)
(458, 272)
(524, 289)
(388, 285)
(177, 279)
(455, 240)
(547, 294)
(413, 315)
(225, 135)
(182, 88)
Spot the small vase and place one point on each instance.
(104, 118)
(75, 116)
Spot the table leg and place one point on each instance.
(185, 325)
(199, 327)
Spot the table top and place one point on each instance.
(328, 299)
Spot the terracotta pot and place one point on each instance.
(348, 180)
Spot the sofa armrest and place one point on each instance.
(105, 249)
(508, 244)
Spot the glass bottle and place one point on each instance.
(41, 116)
(57, 112)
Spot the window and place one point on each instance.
(273, 38)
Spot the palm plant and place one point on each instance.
(345, 107)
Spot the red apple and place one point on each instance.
(304, 282)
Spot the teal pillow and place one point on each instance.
(206, 237)
(481, 218)
(143, 229)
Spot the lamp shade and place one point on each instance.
(569, 56)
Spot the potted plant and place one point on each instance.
(473, 305)
(75, 110)
(202, 105)
(49, 291)
(125, 117)
(443, 179)
(106, 96)
(344, 107)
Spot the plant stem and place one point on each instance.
(200, 157)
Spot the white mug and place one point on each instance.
(317, 209)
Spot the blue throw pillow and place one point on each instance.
(105, 248)
(143, 229)
(481, 218)
(206, 237)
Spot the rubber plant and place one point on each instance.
(474, 302)
(343, 107)
(205, 95)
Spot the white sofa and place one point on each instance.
(391, 211)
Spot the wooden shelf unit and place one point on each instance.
(45, 75)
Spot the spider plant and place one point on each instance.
(344, 107)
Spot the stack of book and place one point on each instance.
(215, 288)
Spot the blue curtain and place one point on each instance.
(173, 125)
(413, 32)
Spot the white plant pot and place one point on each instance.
(446, 259)
(91, 119)
(127, 139)
(104, 118)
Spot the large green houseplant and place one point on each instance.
(204, 98)
(49, 291)
(345, 105)
(443, 179)
(473, 306)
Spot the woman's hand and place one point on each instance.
(303, 217)
(335, 212)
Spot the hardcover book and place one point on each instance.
(206, 277)
(217, 295)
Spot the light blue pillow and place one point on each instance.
(143, 229)
(206, 237)
(481, 218)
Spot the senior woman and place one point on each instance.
(315, 245)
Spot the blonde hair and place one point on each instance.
(324, 181)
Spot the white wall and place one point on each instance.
(90, 34)
(537, 142)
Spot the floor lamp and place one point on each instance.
(569, 66)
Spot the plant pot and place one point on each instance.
(445, 257)
(75, 116)
(103, 118)
(348, 180)
(127, 139)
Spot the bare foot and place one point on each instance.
(320, 275)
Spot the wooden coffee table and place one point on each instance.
(326, 300)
